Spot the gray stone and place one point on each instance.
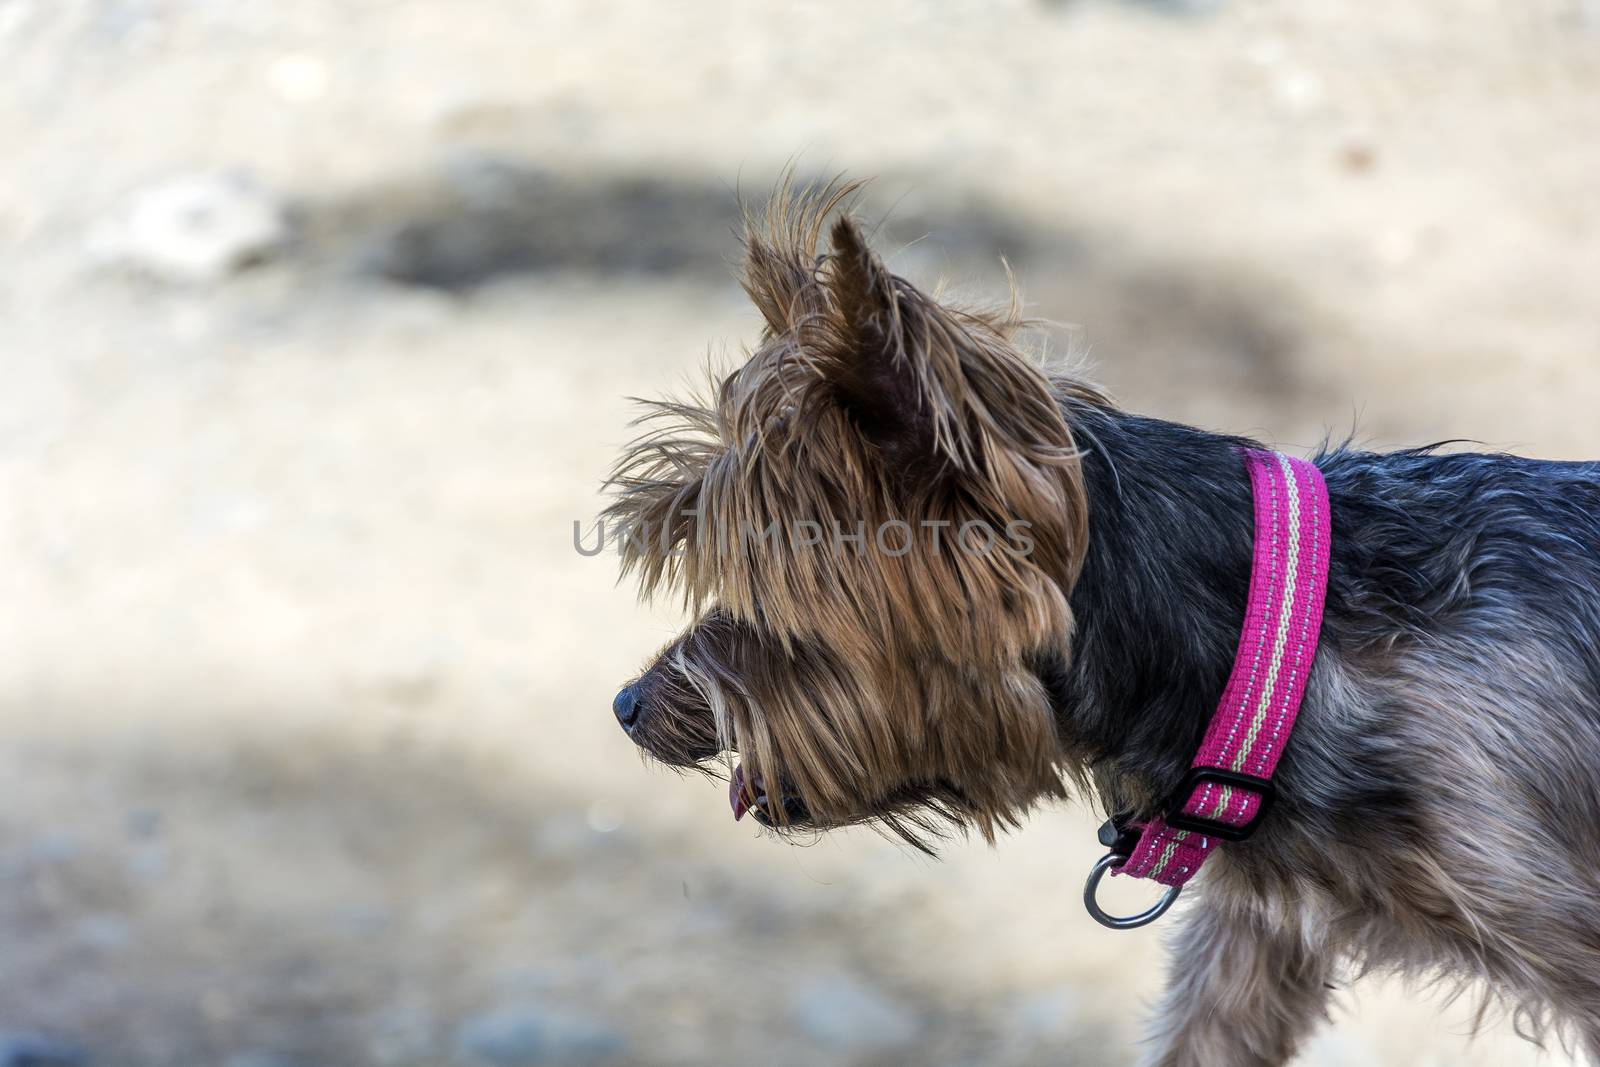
(529, 1036)
(150, 863)
(845, 1012)
(193, 228)
(256, 1058)
(28, 1050)
(49, 849)
(52, 847)
(363, 920)
(143, 822)
(103, 932)
(402, 1033)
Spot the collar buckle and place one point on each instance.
(1178, 819)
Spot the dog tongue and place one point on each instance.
(737, 797)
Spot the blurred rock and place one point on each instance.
(265, 1059)
(845, 1012)
(1048, 1013)
(535, 1037)
(143, 822)
(104, 933)
(1180, 7)
(1357, 157)
(192, 229)
(362, 920)
(43, 850)
(150, 863)
(402, 1033)
(52, 847)
(24, 1050)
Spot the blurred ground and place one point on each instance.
(308, 758)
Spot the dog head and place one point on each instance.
(876, 521)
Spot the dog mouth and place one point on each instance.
(918, 814)
(748, 794)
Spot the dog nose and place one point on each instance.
(626, 705)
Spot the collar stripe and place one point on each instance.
(1277, 649)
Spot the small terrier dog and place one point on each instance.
(936, 584)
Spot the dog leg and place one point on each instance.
(1238, 995)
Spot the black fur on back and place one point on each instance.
(1424, 543)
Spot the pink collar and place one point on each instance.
(1229, 784)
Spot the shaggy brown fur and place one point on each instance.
(1439, 806)
(841, 669)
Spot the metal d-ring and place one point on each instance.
(1124, 922)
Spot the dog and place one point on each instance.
(936, 584)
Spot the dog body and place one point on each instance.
(1438, 804)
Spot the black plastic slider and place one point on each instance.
(1199, 824)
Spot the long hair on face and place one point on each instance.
(883, 660)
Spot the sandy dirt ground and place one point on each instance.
(308, 758)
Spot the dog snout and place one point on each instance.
(627, 705)
(667, 718)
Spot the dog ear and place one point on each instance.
(870, 364)
(779, 281)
